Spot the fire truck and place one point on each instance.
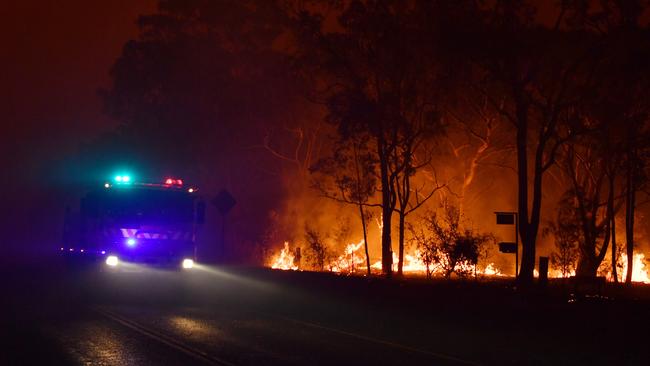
(124, 223)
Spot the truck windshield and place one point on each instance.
(146, 206)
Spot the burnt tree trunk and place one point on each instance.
(612, 225)
(400, 263)
(362, 215)
(629, 222)
(365, 238)
(527, 242)
(386, 209)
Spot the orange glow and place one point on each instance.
(284, 260)
(352, 259)
(349, 260)
(639, 269)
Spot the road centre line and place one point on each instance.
(166, 340)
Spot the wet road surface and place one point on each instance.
(216, 316)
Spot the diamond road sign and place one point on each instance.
(224, 201)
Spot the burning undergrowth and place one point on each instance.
(440, 244)
(437, 245)
(351, 262)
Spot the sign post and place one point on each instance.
(510, 218)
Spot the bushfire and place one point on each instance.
(352, 261)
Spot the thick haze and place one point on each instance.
(56, 55)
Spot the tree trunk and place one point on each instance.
(629, 222)
(590, 258)
(612, 225)
(614, 258)
(365, 238)
(361, 213)
(387, 210)
(527, 242)
(400, 264)
(587, 266)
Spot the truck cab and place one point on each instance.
(125, 222)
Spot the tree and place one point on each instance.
(532, 75)
(566, 234)
(591, 202)
(425, 246)
(378, 83)
(454, 249)
(348, 176)
(317, 254)
(407, 160)
(621, 100)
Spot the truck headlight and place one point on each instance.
(112, 260)
(188, 263)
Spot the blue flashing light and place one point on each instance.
(118, 178)
(126, 179)
(131, 242)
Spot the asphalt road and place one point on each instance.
(218, 316)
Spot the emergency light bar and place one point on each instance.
(168, 182)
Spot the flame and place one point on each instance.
(639, 270)
(349, 260)
(285, 260)
(492, 270)
(556, 273)
(414, 264)
(377, 265)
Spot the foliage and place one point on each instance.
(425, 246)
(566, 234)
(348, 175)
(448, 245)
(317, 253)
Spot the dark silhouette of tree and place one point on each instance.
(621, 104)
(589, 196)
(378, 83)
(532, 75)
(349, 176)
(448, 244)
(318, 254)
(566, 235)
(409, 198)
(420, 237)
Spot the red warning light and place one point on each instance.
(173, 182)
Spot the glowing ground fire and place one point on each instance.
(639, 268)
(352, 261)
(285, 260)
